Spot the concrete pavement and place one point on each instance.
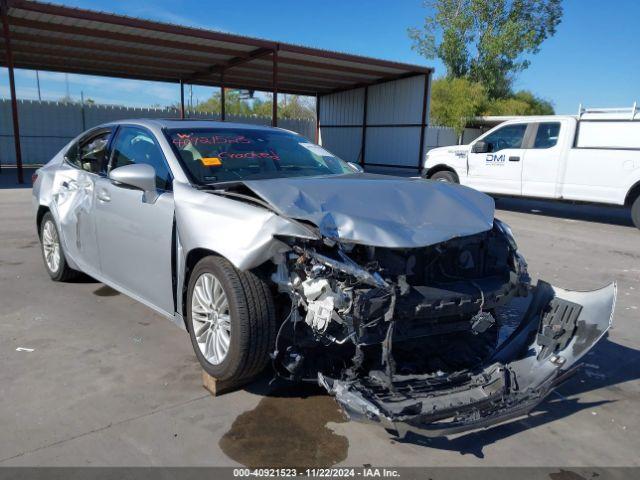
(111, 383)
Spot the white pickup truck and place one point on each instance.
(591, 157)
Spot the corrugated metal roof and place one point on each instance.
(47, 36)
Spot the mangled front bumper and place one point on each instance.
(558, 328)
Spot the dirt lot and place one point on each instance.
(110, 383)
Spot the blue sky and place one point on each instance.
(593, 59)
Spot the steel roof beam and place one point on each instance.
(189, 47)
(121, 20)
(126, 21)
(101, 47)
(60, 66)
(236, 61)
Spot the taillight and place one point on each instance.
(34, 177)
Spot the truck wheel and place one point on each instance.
(444, 176)
(635, 212)
(231, 319)
(54, 259)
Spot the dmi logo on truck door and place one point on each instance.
(495, 159)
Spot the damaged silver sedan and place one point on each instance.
(405, 298)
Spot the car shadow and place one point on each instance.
(84, 278)
(608, 364)
(612, 215)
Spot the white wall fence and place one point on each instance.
(45, 127)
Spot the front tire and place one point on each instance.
(231, 319)
(444, 176)
(635, 212)
(52, 253)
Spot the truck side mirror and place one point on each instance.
(480, 147)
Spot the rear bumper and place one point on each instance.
(558, 329)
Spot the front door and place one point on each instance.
(499, 170)
(135, 236)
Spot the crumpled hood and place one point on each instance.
(380, 210)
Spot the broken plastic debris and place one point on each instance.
(24, 349)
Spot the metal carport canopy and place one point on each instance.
(45, 36)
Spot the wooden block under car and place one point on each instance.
(218, 387)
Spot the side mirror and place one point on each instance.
(137, 175)
(480, 147)
(355, 167)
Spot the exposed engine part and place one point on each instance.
(346, 266)
(481, 322)
(350, 300)
(415, 339)
(323, 304)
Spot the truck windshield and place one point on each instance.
(226, 155)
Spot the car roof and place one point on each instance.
(190, 123)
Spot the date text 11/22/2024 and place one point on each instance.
(364, 472)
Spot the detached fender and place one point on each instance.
(241, 232)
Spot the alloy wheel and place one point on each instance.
(51, 246)
(210, 318)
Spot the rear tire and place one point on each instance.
(444, 176)
(54, 259)
(231, 320)
(635, 212)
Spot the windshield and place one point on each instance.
(229, 154)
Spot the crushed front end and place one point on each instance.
(440, 339)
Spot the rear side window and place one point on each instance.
(547, 135)
(509, 136)
(136, 145)
(89, 153)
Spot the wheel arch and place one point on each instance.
(42, 210)
(632, 194)
(441, 167)
(191, 260)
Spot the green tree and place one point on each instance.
(486, 41)
(289, 106)
(520, 103)
(233, 104)
(456, 100)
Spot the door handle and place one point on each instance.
(514, 159)
(103, 196)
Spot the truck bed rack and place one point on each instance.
(621, 113)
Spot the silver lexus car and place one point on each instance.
(405, 298)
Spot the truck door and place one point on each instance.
(497, 168)
(541, 165)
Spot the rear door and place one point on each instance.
(499, 170)
(541, 166)
(135, 236)
(74, 200)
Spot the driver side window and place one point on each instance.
(509, 136)
(136, 145)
